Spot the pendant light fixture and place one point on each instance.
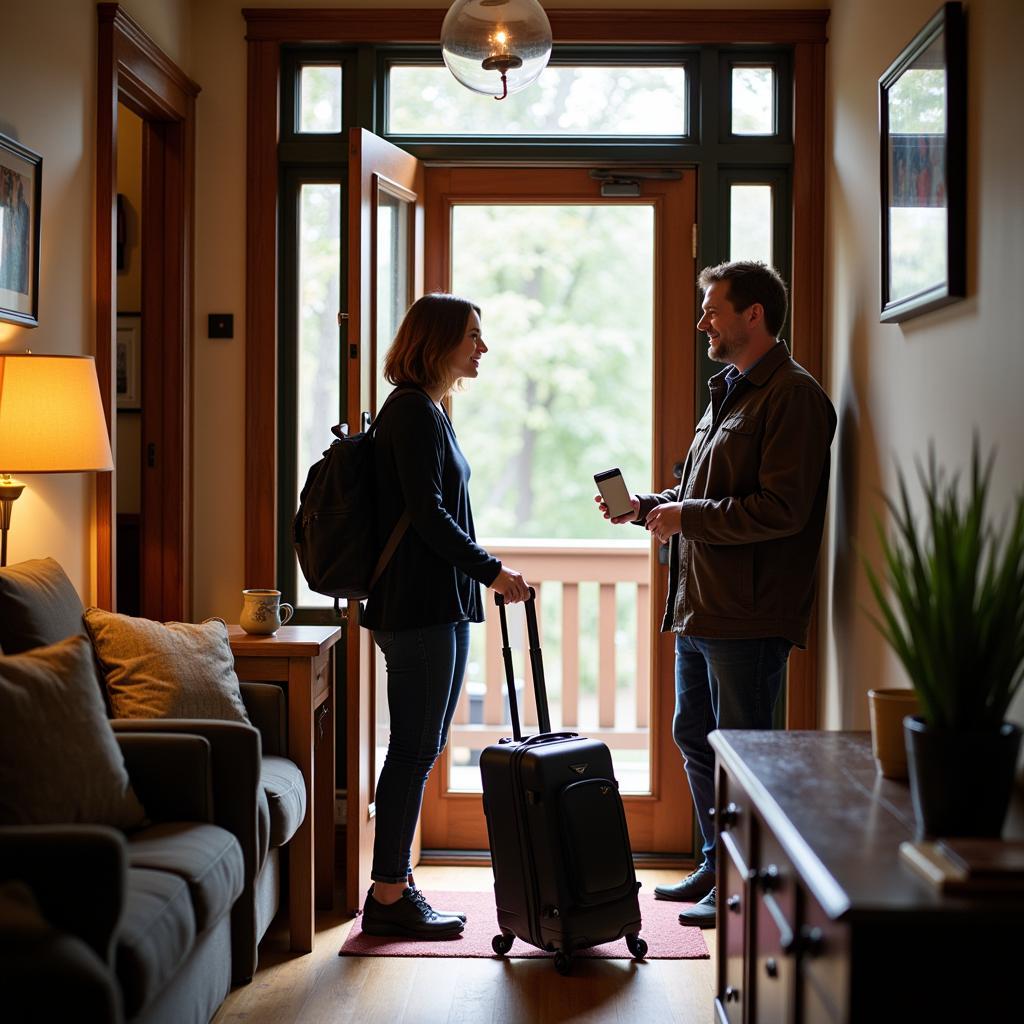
(496, 47)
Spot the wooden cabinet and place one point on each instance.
(819, 919)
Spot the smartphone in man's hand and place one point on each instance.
(614, 492)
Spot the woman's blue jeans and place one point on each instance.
(721, 684)
(425, 671)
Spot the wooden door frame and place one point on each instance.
(268, 28)
(134, 71)
(674, 416)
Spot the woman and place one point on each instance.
(421, 607)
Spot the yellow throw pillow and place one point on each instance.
(166, 669)
(60, 762)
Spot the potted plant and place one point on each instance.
(951, 597)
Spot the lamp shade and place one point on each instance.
(51, 416)
(496, 47)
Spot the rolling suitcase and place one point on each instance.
(563, 867)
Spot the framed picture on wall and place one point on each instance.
(128, 365)
(922, 114)
(21, 190)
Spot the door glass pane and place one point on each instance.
(750, 223)
(320, 98)
(393, 276)
(753, 100)
(563, 101)
(564, 392)
(319, 373)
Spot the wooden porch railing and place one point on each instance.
(568, 564)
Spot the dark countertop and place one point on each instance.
(841, 823)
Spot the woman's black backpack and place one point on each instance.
(334, 529)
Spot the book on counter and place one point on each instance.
(968, 865)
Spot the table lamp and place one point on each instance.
(51, 421)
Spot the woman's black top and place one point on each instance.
(434, 575)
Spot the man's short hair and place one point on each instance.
(751, 281)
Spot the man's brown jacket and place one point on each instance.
(753, 495)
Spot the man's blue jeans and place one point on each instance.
(425, 671)
(721, 684)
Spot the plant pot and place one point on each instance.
(960, 782)
(887, 708)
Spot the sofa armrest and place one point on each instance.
(236, 754)
(77, 874)
(267, 709)
(170, 774)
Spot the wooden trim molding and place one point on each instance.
(134, 71)
(261, 316)
(567, 26)
(808, 284)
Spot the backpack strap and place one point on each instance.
(389, 549)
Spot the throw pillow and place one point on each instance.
(166, 669)
(59, 760)
(38, 606)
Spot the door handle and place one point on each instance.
(365, 419)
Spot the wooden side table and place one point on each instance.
(301, 659)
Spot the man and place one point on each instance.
(744, 526)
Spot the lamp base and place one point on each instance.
(9, 493)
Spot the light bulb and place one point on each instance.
(496, 47)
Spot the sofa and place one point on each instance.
(97, 925)
(257, 794)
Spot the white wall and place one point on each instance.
(940, 376)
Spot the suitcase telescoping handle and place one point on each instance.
(536, 664)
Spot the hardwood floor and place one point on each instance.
(323, 988)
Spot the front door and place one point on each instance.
(385, 275)
(588, 308)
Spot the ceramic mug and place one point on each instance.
(263, 612)
(886, 709)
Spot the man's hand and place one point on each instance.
(665, 520)
(629, 517)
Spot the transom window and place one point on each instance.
(580, 100)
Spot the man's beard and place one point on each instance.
(721, 351)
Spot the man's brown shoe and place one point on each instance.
(692, 888)
(703, 914)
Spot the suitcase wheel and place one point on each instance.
(637, 946)
(502, 943)
(563, 962)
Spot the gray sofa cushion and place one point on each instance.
(38, 606)
(158, 930)
(59, 760)
(208, 858)
(286, 795)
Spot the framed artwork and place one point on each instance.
(128, 363)
(922, 114)
(21, 190)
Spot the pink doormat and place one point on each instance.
(666, 938)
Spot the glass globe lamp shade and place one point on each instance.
(496, 47)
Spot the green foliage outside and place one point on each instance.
(565, 390)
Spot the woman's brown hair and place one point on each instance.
(430, 331)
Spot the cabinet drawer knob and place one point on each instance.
(728, 816)
(771, 967)
(733, 903)
(769, 878)
(732, 995)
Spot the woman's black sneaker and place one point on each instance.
(411, 916)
